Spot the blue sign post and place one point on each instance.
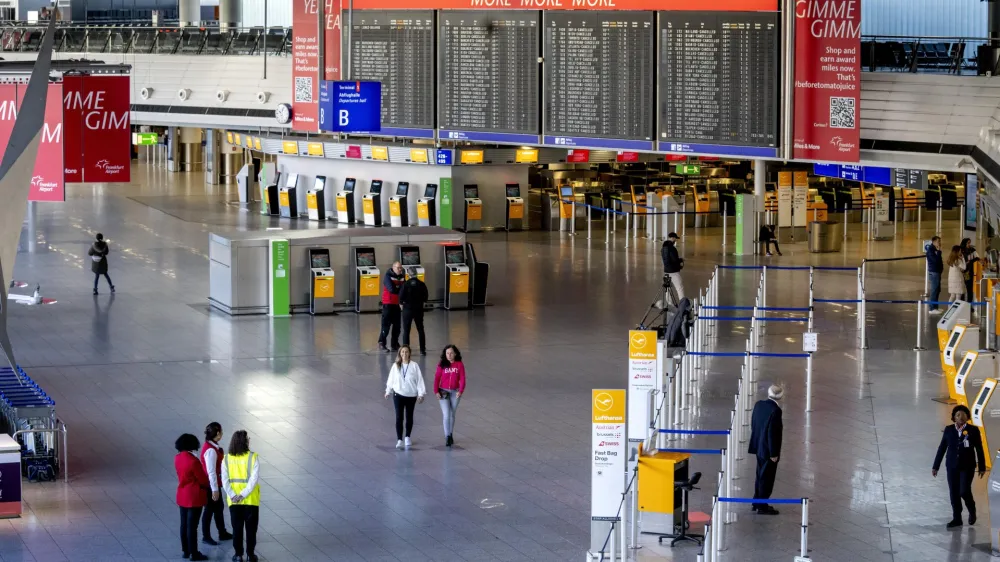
(350, 107)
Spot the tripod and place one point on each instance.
(666, 301)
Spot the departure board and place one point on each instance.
(396, 48)
(719, 82)
(488, 76)
(599, 79)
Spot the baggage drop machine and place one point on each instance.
(456, 271)
(399, 212)
(321, 282)
(972, 371)
(367, 280)
(409, 258)
(427, 206)
(316, 200)
(515, 207)
(371, 204)
(288, 202)
(960, 312)
(269, 181)
(480, 275)
(345, 202)
(964, 338)
(986, 417)
(473, 209)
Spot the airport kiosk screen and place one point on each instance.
(566, 191)
(513, 190)
(431, 190)
(349, 184)
(454, 255)
(472, 192)
(320, 184)
(410, 257)
(965, 367)
(954, 340)
(320, 260)
(365, 258)
(376, 187)
(983, 394)
(292, 180)
(401, 188)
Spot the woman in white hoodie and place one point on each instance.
(406, 386)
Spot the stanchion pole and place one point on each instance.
(724, 509)
(684, 210)
(627, 215)
(725, 223)
(864, 311)
(634, 511)
(622, 543)
(611, 544)
(937, 219)
(920, 214)
(716, 547)
(572, 218)
(707, 547)
(586, 208)
(607, 226)
(635, 223)
(845, 226)
(990, 320)
(920, 325)
(809, 382)
(675, 221)
(805, 529)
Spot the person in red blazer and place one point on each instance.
(192, 488)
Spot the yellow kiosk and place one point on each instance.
(345, 202)
(427, 207)
(473, 216)
(960, 312)
(515, 207)
(399, 212)
(409, 258)
(321, 287)
(964, 338)
(974, 369)
(367, 280)
(988, 421)
(456, 286)
(371, 204)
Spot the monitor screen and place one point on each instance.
(320, 183)
(513, 190)
(291, 180)
(566, 191)
(454, 255)
(472, 191)
(983, 394)
(639, 189)
(365, 257)
(431, 191)
(954, 339)
(401, 188)
(319, 259)
(349, 184)
(376, 187)
(965, 366)
(277, 179)
(409, 256)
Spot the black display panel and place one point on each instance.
(513, 190)
(488, 76)
(376, 187)
(719, 80)
(349, 184)
(291, 180)
(471, 191)
(396, 48)
(599, 79)
(402, 188)
(320, 183)
(319, 259)
(454, 255)
(430, 191)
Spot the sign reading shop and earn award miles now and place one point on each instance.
(607, 472)
(642, 377)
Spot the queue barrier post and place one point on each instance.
(634, 510)
(607, 227)
(611, 544)
(725, 221)
(626, 226)
(804, 546)
(845, 229)
(587, 209)
(809, 382)
(811, 296)
(937, 219)
(920, 324)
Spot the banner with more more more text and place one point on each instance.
(97, 125)
(305, 58)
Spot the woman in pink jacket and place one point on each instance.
(449, 385)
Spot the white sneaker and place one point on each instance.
(408, 442)
(936, 311)
(769, 254)
(399, 444)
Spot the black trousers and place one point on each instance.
(411, 316)
(767, 245)
(213, 509)
(189, 529)
(390, 320)
(404, 405)
(960, 488)
(244, 517)
(97, 277)
(764, 484)
(969, 293)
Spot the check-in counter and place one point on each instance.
(238, 262)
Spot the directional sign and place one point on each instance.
(350, 106)
(144, 139)
(445, 156)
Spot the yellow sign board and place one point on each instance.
(422, 212)
(368, 206)
(315, 149)
(229, 137)
(418, 155)
(342, 204)
(394, 208)
(475, 212)
(516, 211)
(641, 344)
(368, 286)
(283, 199)
(323, 288)
(290, 147)
(472, 157)
(311, 200)
(380, 153)
(526, 156)
(236, 138)
(256, 143)
(458, 282)
(608, 406)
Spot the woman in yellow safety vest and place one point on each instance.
(241, 482)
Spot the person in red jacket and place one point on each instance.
(192, 492)
(392, 282)
(449, 385)
(211, 459)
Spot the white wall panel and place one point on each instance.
(279, 13)
(922, 18)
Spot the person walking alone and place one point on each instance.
(98, 253)
(935, 266)
(672, 265)
(192, 485)
(412, 298)
(971, 256)
(449, 385)
(765, 442)
(241, 482)
(956, 274)
(406, 386)
(211, 460)
(963, 444)
(392, 282)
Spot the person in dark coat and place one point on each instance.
(935, 265)
(765, 443)
(672, 264)
(964, 447)
(392, 282)
(99, 261)
(412, 297)
(766, 237)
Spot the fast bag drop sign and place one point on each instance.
(97, 123)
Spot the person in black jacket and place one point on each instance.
(935, 265)
(765, 443)
(672, 264)
(98, 253)
(412, 297)
(964, 447)
(766, 237)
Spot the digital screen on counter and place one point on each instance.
(409, 257)
(320, 183)
(984, 394)
(376, 187)
(365, 258)
(965, 366)
(431, 190)
(319, 260)
(349, 184)
(472, 192)
(291, 181)
(513, 190)
(402, 188)
(954, 339)
(454, 255)
(566, 191)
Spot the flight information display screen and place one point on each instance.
(599, 79)
(718, 82)
(396, 48)
(488, 75)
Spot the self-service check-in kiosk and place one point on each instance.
(427, 206)
(409, 258)
(964, 338)
(399, 213)
(345, 202)
(515, 207)
(321, 286)
(367, 282)
(269, 193)
(371, 204)
(473, 221)
(972, 371)
(316, 200)
(958, 313)
(986, 417)
(456, 288)
(288, 202)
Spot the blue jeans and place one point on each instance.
(97, 277)
(935, 283)
(448, 407)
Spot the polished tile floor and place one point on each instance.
(133, 370)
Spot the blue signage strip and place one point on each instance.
(481, 136)
(401, 132)
(590, 142)
(350, 106)
(869, 174)
(720, 149)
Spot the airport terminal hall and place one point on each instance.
(500, 281)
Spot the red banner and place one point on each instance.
(47, 180)
(98, 129)
(827, 80)
(305, 58)
(578, 155)
(638, 5)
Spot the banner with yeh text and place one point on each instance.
(47, 180)
(97, 125)
(305, 58)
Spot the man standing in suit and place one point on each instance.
(765, 442)
(412, 298)
(964, 445)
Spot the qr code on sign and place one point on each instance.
(842, 113)
(304, 89)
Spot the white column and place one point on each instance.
(189, 13)
(229, 14)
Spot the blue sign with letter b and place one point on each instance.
(350, 106)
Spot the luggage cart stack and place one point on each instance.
(29, 414)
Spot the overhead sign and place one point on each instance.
(607, 472)
(578, 155)
(290, 147)
(305, 59)
(827, 80)
(47, 182)
(445, 157)
(145, 139)
(380, 153)
(418, 155)
(471, 156)
(688, 169)
(97, 128)
(642, 377)
(314, 149)
(526, 156)
(625, 156)
(870, 174)
(351, 107)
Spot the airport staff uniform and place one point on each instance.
(765, 442)
(391, 284)
(241, 480)
(412, 297)
(211, 460)
(962, 450)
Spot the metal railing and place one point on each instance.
(61, 448)
(131, 39)
(905, 53)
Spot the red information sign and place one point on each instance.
(675, 158)
(47, 182)
(827, 80)
(578, 155)
(96, 117)
(624, 156)
(640, 5)
(353, 151)
(305, 58)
